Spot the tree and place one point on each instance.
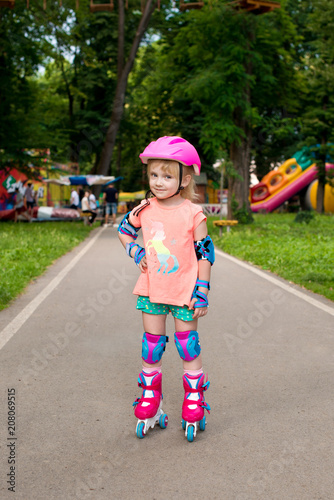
(79, 53)
(83, 54)
(32, 104)
(219, 75)
(20, 54)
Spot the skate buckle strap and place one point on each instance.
(206, 385)
(143, 400)
(152, 387)
(205, 405)
(202, 404)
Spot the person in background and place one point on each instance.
(110, 198)
(74, 199)
(30, 198)
(36, 196)
(92, 201)
(82, 193)
(86, 208)
(20, 207)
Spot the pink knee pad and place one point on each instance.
(153, 347)
(187, 344)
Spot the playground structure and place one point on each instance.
(311, 197)
(293, 176)
(257, 7)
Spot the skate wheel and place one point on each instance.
(140, 430)
(190, 433)
(184, 423)
(163, 421)
(202, 424)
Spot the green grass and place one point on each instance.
(26, 250)
(301, 253)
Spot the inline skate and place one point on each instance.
(148, 408)
(194, 404)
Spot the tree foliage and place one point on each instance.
(238, 86)
(205, 64)
(21, 52)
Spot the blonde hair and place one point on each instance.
(172, 167)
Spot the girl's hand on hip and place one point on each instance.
(198, 311)
(143, 265)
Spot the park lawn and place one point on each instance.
(299, 252)
(26, 250)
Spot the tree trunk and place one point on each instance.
(240, 151)
(73, 150)
(118, 106)
(240, 157)
(321, 167)
(120, 43)
(119, 158)
(320, 197)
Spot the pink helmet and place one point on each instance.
(172, 148)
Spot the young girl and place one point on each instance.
(175, 266)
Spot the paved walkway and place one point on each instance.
(71, 351)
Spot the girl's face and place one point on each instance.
(163, 183)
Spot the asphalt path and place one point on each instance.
(70, 355)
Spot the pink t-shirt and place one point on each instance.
(172, 265)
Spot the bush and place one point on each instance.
(242, 215)
(304, 217)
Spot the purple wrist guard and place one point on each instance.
(202, 300)
(139, 253)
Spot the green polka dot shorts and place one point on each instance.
(184, 313)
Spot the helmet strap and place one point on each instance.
(180, 179)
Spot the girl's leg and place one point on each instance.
(193, 378)
(184, 326)
(150, 379)
(155, 324)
